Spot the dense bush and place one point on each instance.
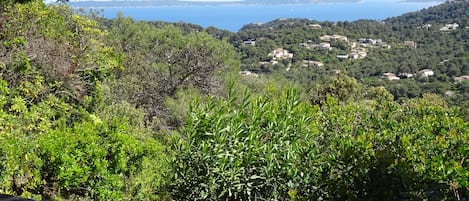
(57, 139)
(94, 159)
(277, 147)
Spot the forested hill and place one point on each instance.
(119, 109)
(450, 12)
(392, 53)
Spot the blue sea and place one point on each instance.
(232, 18)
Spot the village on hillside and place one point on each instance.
(358, 50)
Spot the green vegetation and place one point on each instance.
(160, 61)
(57, 140)
(98, 109)
(427, 47)
(261, 147)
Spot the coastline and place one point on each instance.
(79, 4)
(234, 16)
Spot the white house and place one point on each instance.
(406, 75)
(326, 46)
(307, 63)
(316, 26)
(426, 72)
(370, 41)
(249, 42)
(461, 78)
(342, 56)
(280, 53)
(449, 27)
(427, 26)
(334, 37)
(390, 76)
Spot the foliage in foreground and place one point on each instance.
(57, 139)
(277, 147)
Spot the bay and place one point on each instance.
(233, 17)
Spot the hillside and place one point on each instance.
(450, 12)
(119, 109)
(396, 49)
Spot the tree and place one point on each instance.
(165, 60)
(344, 88)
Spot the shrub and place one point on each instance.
(278, 148)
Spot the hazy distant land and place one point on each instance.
(155, 3)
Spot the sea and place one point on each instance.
(234, 17)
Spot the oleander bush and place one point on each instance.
(276, 147)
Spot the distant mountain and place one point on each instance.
(150, 3)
